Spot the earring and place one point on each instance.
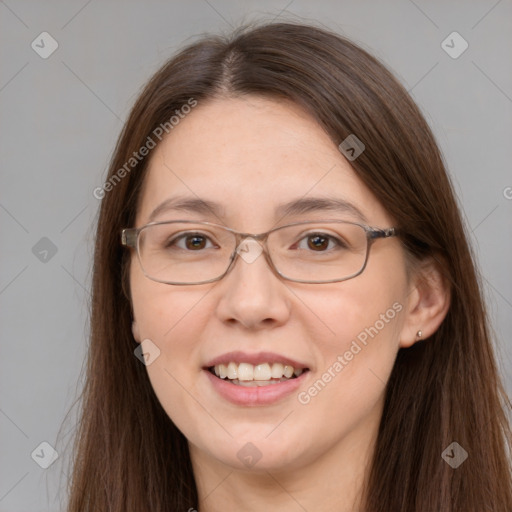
(419, 334)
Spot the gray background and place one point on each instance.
(60, 120)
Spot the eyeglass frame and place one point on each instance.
(130, 238)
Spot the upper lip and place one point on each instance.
(254, 359)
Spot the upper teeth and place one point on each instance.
(247, 371)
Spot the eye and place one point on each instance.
(193, 241)
(319, 242)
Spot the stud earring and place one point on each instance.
(419, 334)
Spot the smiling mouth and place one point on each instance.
(248, 375)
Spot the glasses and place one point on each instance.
(185, 252)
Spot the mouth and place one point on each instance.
(262, 374)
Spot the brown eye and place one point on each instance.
(321, 242)
(318, 242)
(195, 242)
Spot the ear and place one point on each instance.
(135, 331)
(427, 305)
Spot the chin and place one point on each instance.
(253, 452)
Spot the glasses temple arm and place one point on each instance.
(129, 237)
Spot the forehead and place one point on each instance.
(250, 155)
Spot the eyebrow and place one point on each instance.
(296, 207)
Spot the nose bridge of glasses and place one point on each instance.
(249, 248)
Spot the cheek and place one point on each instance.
(164, 312)
(364, 321)
(173, 321)
(357, 312)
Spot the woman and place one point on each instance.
(286, 314)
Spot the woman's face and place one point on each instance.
(250, 156)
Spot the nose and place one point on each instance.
(251, 293)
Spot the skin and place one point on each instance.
(251, 154)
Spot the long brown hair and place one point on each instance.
(129, 456)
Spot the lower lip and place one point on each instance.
(255, 395)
